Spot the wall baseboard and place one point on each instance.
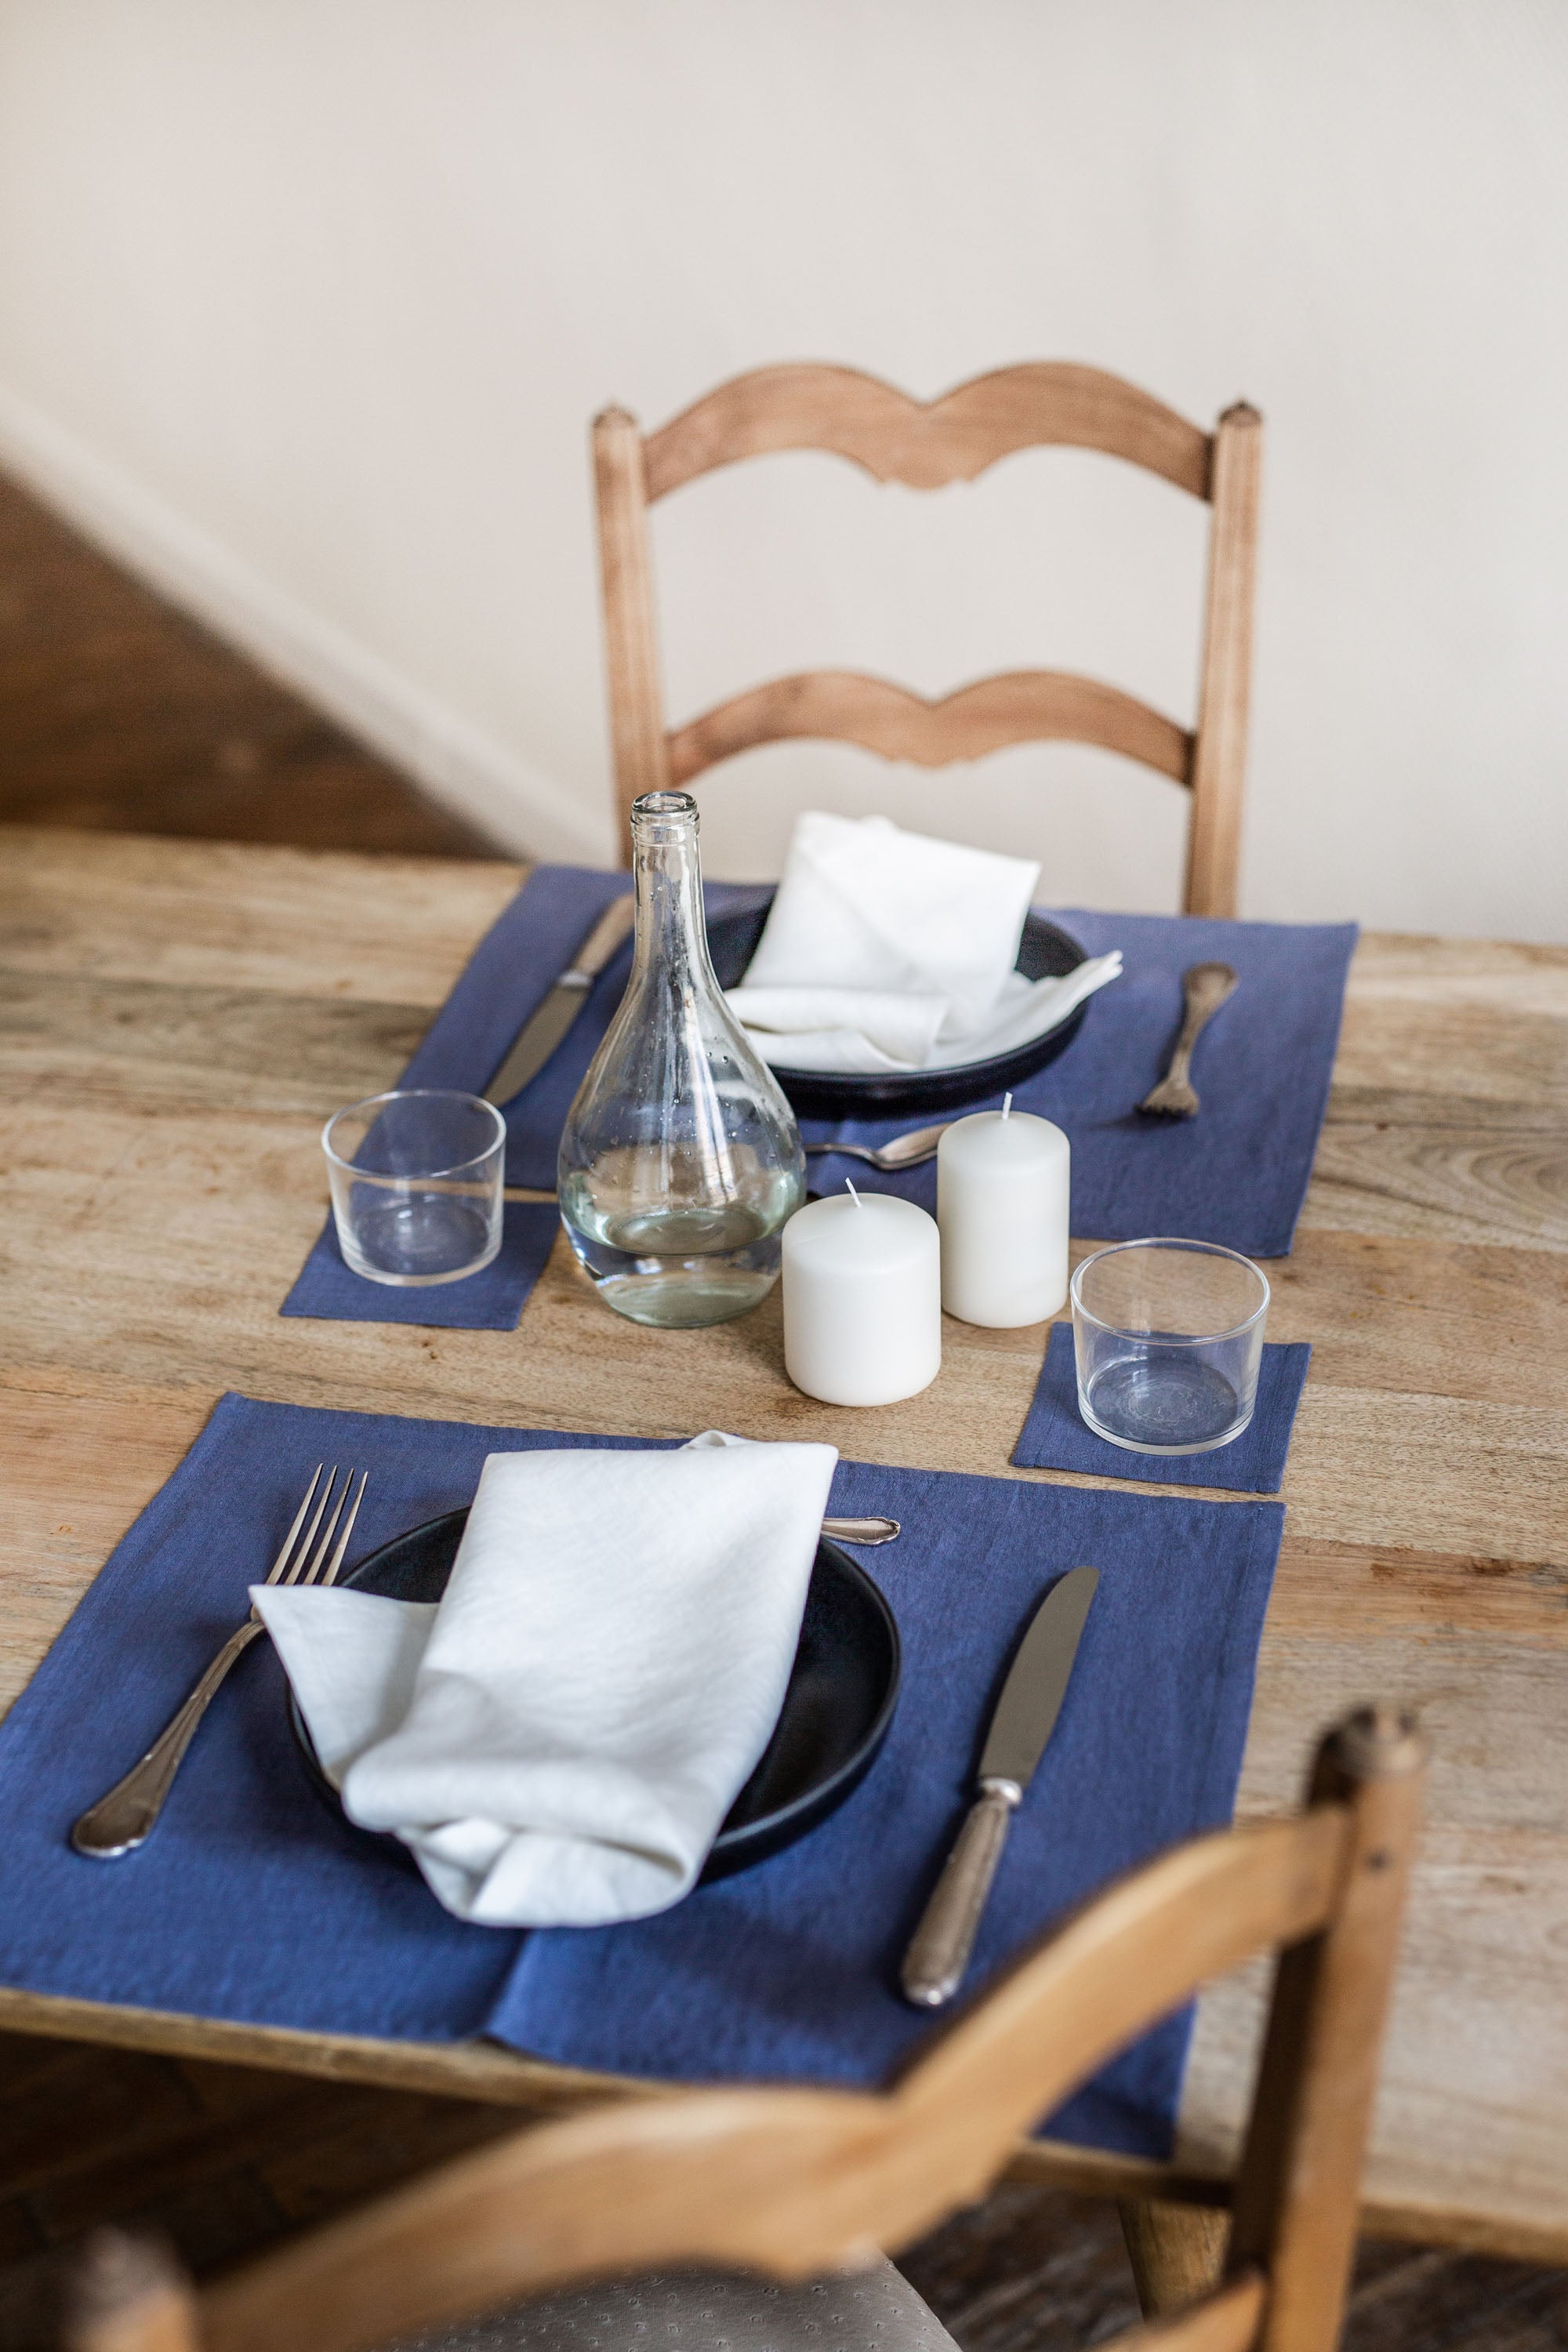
(461, 766)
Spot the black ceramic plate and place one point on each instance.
(842, 1691)
(1044, 952)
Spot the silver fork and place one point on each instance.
(120, 1822)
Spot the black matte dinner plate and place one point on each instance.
(1045, 952)
(842, 1691)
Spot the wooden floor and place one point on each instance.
(118, 712)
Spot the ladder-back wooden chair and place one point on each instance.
(796, 2183)
(925, 445)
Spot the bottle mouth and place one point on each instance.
(651, 808)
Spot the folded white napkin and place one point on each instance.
(897, 1032)
(887, 950)
(559, 1739)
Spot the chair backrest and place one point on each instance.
(925, 445)
(799, 2182)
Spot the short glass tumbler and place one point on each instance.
(417, 1183)
(1168, 1336)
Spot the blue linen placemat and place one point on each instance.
(514, 966)
(520, 957)
(1054, 1437)
(254, 1900)
(1236, 1173)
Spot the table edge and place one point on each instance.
(492, 2075)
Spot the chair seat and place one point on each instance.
(872, 2310)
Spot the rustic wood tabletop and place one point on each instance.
(178, 1018)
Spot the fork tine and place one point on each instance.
(331, 1575)
(312, 1573)
(278, 1565)
(304, 1552)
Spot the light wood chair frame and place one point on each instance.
(797, 2182)
(927, 443)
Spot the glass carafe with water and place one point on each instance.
(680, 1158)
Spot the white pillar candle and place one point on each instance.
(862, 1299)
(1002, 1204)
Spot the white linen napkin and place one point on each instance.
(559, 1739)
(887, 951)
(861, 1028)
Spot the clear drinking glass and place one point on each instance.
(1168, 1336)
(680, 1158)
(417, 1183)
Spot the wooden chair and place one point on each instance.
(797, 2183)
(926, 445)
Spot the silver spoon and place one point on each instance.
(904, 1151)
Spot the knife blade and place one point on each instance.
(1023, 1721)
(547, 1022)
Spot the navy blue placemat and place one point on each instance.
(1238, 1173)
(516, 963)
(254, 1900)
(518, 960)
(1054, 1437)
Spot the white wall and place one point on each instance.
(306, 305)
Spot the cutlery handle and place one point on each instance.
(120, 1822)
(1205, 989)
(940, 1948)
(603, 938)
(861, 1531)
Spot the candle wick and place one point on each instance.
(1006, 1106)
(854, 1195)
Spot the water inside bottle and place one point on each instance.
(678, 1264)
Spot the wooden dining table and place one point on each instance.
(178, 1018)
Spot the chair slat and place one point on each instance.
(927, 443)
(1019, 706)
(1129, 1958)
(790, 2181)
(798, 2182)
(746, 2179)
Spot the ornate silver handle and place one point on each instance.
(121, 1821)
(861, 1531)
(940, 1948)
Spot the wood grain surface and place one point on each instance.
(175, 1019)
(120, 712)
(1031, 705)
(1219, 775)
(927, 445)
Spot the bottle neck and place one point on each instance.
(671, 936)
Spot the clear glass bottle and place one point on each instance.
(680, 1158)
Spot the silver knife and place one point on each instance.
(549, 1022)
(1025, 1717)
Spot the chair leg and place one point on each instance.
(126, 2294)
(1177, 2252)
